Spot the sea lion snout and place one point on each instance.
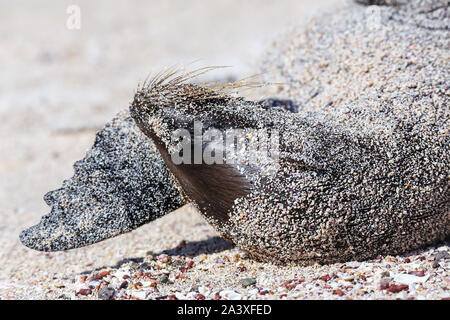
(121, 184)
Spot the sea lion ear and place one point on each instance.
(121, 184)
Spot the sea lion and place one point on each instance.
(363, 164)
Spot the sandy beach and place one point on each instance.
(59, 86)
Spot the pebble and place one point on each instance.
(204, 290)
(409, 278)
(84, 292)
(123, 285)
(139, 294)
(163, 279)
(246, 282)
(230, 295)
(106, 293)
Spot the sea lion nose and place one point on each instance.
(33, 239)
(43, 238)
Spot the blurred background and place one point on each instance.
(62, 79)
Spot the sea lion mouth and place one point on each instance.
(121, 184)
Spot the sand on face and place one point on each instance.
(58, 87)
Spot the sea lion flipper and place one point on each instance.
(121, 184)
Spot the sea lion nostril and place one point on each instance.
(50, 197)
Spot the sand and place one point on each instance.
(58, 87)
